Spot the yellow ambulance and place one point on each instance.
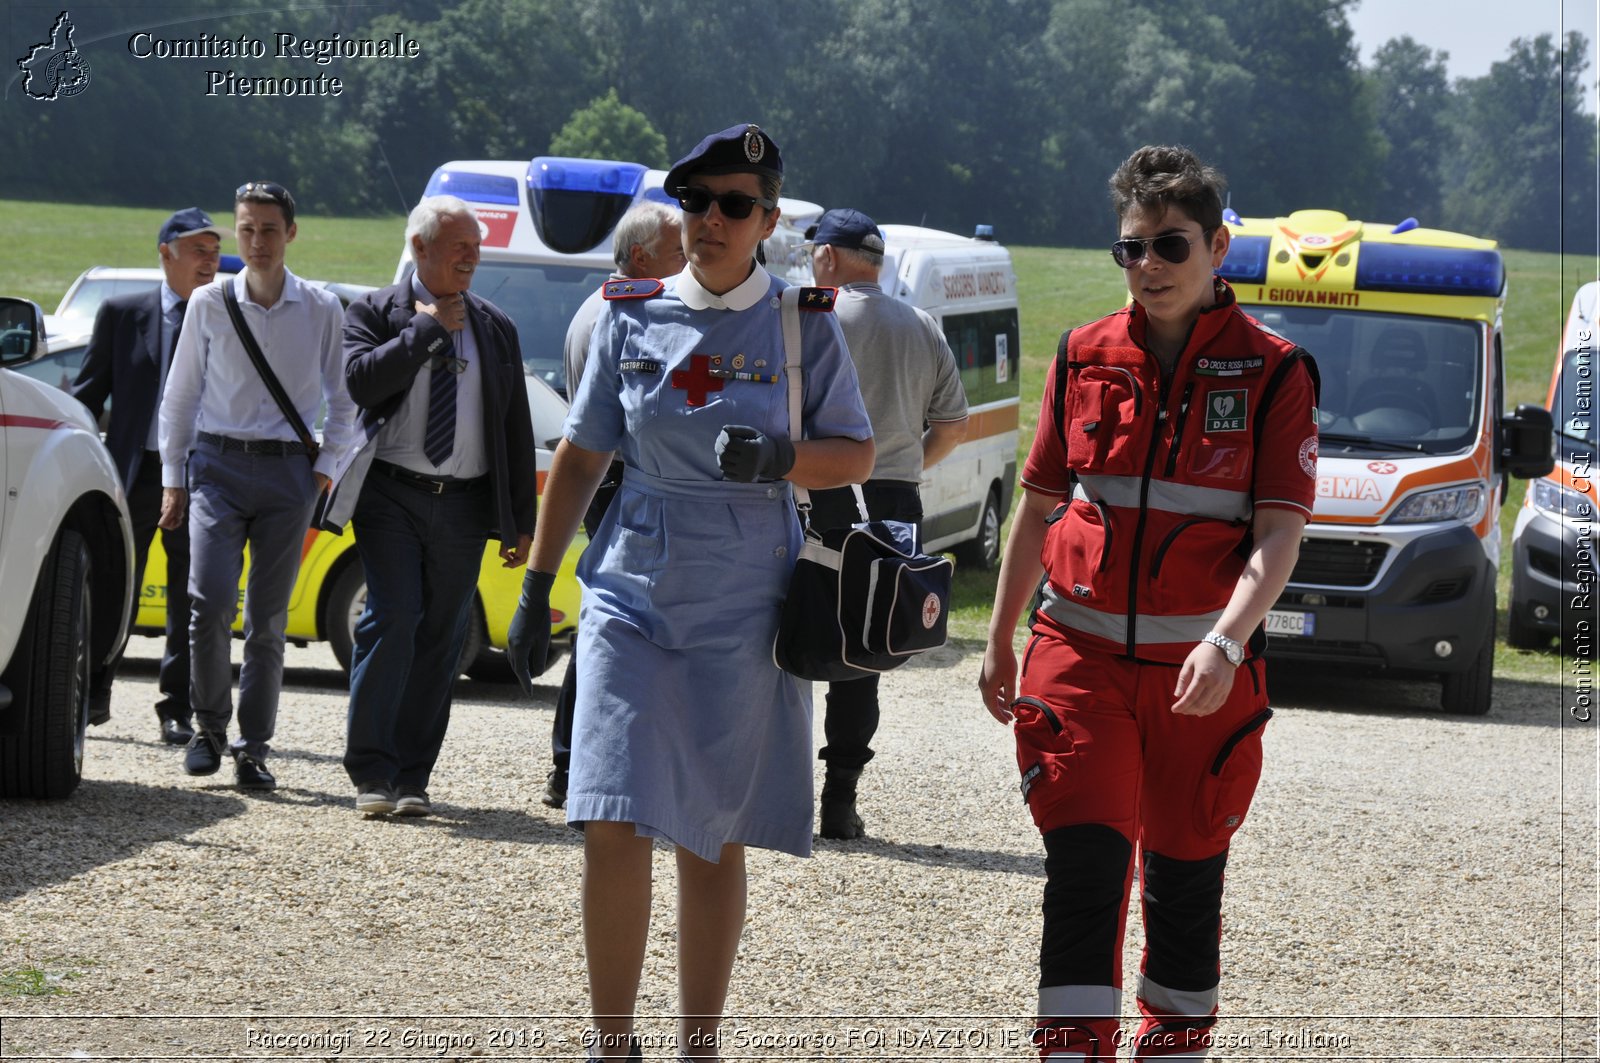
(1397, 567)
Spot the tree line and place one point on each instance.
(946, 113)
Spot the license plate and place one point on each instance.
(1285, 623)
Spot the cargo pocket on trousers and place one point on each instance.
(1229, 785)
(1045, 757)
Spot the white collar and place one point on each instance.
(751, 291)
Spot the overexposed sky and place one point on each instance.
(1476, 33)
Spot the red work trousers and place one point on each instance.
(1107, 767)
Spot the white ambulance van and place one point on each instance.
(1397, 568)
(1553, 581)
(547, 229)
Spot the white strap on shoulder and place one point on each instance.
(789, 311)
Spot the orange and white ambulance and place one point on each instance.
(1397, 568)
(547, 227)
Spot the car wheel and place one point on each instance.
(1468, 693)
(476, 644)
(984, 550)
(347, 597)
(45, 757)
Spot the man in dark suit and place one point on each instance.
(127, 361)
(437, 375)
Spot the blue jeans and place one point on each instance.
(421, 553)
(236, 499)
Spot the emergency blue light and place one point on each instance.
(473, 187)
(659, 195)
(1430, 270)
(1231, 216)
(577, 202)
(1405, 226)
(1246, 262)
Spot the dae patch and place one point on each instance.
(817, 299)
(1229, 366)
(1226, 411)
(633, 289)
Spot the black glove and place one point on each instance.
(528, 641)
(748, 455)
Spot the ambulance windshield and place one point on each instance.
(541, 299)
(1414, 380)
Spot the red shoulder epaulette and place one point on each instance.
(642, 288)
(817, 299)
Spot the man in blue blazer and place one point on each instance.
(126, 362)
(448, 462)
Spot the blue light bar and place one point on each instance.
(659, 195)
(1431, 270)
(549, 174)
(473, 187)
(1247, 260)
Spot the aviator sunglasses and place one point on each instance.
(735, 205)
(1173, 248)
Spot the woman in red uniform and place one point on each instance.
(1173, 469)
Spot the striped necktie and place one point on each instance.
(439, 441)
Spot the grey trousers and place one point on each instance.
(236, 499)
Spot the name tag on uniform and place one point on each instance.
(640, 365)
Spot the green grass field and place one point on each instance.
(1057, 287)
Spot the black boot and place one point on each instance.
(839, 819)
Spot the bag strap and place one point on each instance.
(789, 310)
(268, 377)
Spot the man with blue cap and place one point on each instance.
(126, 365)
(908, 379)
(684, 729)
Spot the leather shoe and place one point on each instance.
(176, 732)
(204, 755)
(99, 708)
(250, 773)
(555, 789)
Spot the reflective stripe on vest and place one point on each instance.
(1153, 629)
(1166, 496)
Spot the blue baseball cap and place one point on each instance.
(847, 228)
(189, 221)
(737, 149)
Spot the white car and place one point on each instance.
(66, 550)
(96, 284)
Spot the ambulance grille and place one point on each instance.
(1339, 562)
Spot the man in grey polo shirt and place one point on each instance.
(912, 391)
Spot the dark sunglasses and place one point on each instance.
(271, 189)
(1173, 248)
(735, 205)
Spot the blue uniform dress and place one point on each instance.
(683, 724)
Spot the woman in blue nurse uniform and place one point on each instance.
(685, 730)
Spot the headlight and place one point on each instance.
(1557, 501)
(1452, 503)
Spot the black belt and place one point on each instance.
(276, 447)
(432, 484)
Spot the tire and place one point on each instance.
(983, 551)
(346, 599)
(1469, 693)
(45, 757)
(476, 644)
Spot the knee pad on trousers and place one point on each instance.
(1183, 923)
(1086, 873)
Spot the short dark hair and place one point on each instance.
(266, 192)
(771, 185)
(1158, 176)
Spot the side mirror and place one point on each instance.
(1527, 442)
(21, 330)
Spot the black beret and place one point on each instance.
(737, 149)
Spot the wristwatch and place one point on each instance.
(1231, 648)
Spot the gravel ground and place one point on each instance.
(1409, 885)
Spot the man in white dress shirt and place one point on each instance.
(233, 465)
